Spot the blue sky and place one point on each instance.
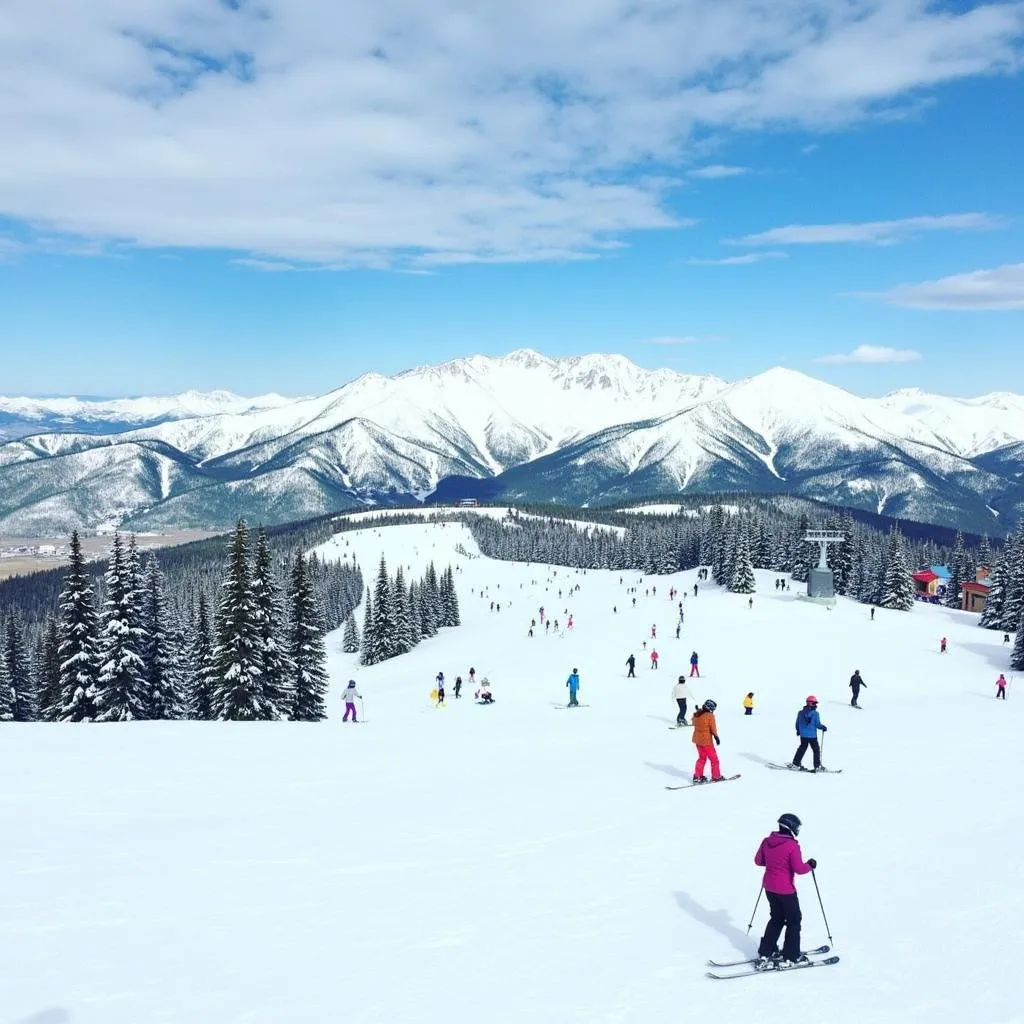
(208, 195)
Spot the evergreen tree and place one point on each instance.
(160, 654)
(7, 699)
(415, 613)
(18, 669)
(743, 580)
(403, 641)
(238, 693)
(1013, 568)
(78, 649)
(1017, 656)
(122, 691)
(383, 633)
(48, 678)
(985, 553)
(306, 650)
(449, 599)
(995, 602)
(368, 650)
(430, 602)
(956, 577)
(350, 637)
(898, 585)
(202, 668)
(275, 670)
(801, 563)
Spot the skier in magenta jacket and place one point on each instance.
(779, 854)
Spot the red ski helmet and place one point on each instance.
(811, 699)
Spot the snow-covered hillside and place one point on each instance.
(523, 862)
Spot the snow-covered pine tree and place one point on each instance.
(985, 553)
(202, 670)
(6, 692)
(841, 562)
(78, 649)
(430, 598)
(898, 585)
(449, 599)
(800, 550)
(415, 613)
(307, 654)
(160, 656)
(383, 633)
(1017, 655)
(956, 577)
(743, 580)
(368, 647)
(122, 692)
(48, 674)
(403, 641)
(995, 602)
(1013, 579)
(350, 637)
(275, 670)
(18, 666)
(237, 687)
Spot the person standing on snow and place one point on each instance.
(654, 632)
(855, 684)
(705, 737)
(694, 665)
(351, 693)
(942, 646)
(654, 658)
(807, 725)
(631, 664)
(458, 687)
(748, 703)
(682, 694)
(779, 854)
(573, 682)
(1001, 687)
(440, 687)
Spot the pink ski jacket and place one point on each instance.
(780, 856)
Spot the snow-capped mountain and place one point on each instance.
(524, 426)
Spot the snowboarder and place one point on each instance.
(855, 684)
(654, 658)
(1001, 687)
(748, 703)
(573, 682)
(440, 688)
(681, 693)
(483, 694)
(942, 646)
(705, 730)
(694, 665)
(458, 687)
(351, 693)
(631, 664)
(779, 854)
(807, 725)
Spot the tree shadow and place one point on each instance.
(756, 758)
(669, 769)
(718, 920)
(54, 1016)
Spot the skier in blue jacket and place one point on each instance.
(573, 682)
(807, 725)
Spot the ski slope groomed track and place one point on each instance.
(523, 862)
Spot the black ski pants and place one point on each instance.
(681, 717)
(856, 694)
(785, 913)
(631, 674)
(802, 749)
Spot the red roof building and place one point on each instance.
(927, 582)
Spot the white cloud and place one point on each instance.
(747, 257)
(873, 354)
(719, 171)
(811, 147)
(389, 134)
(999, 288)
(877, 232)
(268, 266)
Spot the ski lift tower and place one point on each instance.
(820, 582)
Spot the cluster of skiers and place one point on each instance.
(482, 694)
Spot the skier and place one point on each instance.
(695, 590)
(631, 663)
(942, 646)
(807, 725)
(472, 672)
(855, 684)
(750, 602)
(654, 658)
(351, 693)
(779, 854)
(654, 632)
(679, 626)
(573, 682)
(694, 665)
(748, 703)
(872, 614)
(440, 688)
(705, 729)
(458, 687)
(569, 624)
(1006, 638)
(1001, 687)
(483, 694)
(682, 694)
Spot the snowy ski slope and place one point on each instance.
(521, 862)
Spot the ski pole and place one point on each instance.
(822, 905)
(362, 709)
(756, 902)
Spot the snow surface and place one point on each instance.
(522, 862)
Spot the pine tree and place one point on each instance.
(956, 577)
(307, 653)
(160, 654)
(383, 633)
(985, 553)
(995, 602)
(7, 699)
(801, 564)
(238, 693)
(368, 649)
(122, 692)
(449, 599)
(202, 671)
(78, 649)
(48, 672)
(898, 585)
(1013, 580)
(18, 667)
(403, 641)
(430, 602)
(1017, 656)
(350, 637)
(275, 670)
(743, 580)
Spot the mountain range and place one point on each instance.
(582, 430)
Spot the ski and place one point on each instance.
(805, 771)
(697, 785)
(687, 726)
(774, 970)
(820, 951)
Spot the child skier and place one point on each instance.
(681, 693)
(654, 632)
(440, 688)
(694, 665)
(807, 725)
(351, 693)
(458, 687)
(779, 854)
(855, 684)
(654, 658)
(573, 682)
(1001, 687)
(705, 730)
(942, 646)
(748, 703)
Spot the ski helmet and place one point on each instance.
(790, 822)
(811, 699)
(709, 705)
